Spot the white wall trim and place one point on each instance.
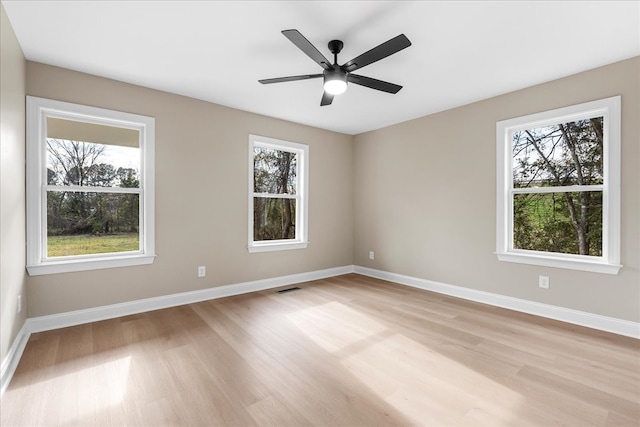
(79, 317)
(10, 362)
(590, 320)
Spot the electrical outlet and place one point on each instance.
(371, 255)
(202, 271)
(19, 303)
(543, 282)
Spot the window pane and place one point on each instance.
(91, 223)
(274, 171)
(559, 155)
(569, 223)
(93, 165)
(273, 219)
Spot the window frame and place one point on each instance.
(609, 262)
(301, 196)
(38, 109)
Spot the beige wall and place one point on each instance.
(425, 197)
(12, 189)
(201, 197)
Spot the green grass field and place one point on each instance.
(86, 244)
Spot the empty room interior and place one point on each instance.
(320, 213)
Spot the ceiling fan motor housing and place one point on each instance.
(335, 46)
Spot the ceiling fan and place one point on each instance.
(336, 76)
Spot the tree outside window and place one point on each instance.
(81, 221)
(556, 158)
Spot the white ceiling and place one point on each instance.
(217, 50)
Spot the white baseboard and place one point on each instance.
(10, 362)
(79, 317)
(594, 321)
(72, 318)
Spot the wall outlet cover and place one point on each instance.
(543, 282)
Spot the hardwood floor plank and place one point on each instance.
(579, 391)
(349, 350)
(274, 411)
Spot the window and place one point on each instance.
(558, 188)
(278, 183)
(90, 188)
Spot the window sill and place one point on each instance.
(558, 262)
(69, 266)
(279, 246)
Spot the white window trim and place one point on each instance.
(38, 109)
(609, 262)
(302, 190)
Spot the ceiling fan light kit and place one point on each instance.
(336, 76)
(335, 81)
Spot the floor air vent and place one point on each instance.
(282, 291)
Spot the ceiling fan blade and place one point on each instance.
(327, 99)
(290, 78)
(379, 52)
(309, 49)
(374, 83)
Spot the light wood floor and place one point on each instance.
(349, 351)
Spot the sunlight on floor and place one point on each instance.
(97, 388)
(334, 326)
(425, 385)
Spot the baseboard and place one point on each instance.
(590, 320)
(79, 317)
(10, 362)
